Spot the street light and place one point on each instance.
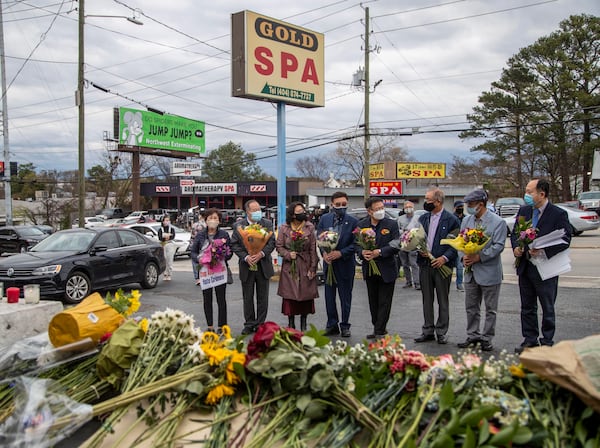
(79, 100)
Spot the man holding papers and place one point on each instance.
(546, 218)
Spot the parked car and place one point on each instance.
(182, 238)
(110, 213)
(137, 215)
(580, 220)
(48, 230)
(71, 264)
(590, 200)
(506, 207)
(230, 216)
(89, 222)
(19, 239)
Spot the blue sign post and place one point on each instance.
(281, 168)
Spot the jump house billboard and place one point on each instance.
(153, 133)
(276, 61)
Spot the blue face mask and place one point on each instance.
(528, 199)
(256, 216)
(472, 210)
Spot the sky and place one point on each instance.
(433, 57)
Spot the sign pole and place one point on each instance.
(281, 171)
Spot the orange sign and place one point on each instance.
(392, 188)
(376, 171)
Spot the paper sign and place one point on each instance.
(209, 278)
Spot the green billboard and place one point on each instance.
(138, 128)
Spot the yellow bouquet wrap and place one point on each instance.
(92, 318)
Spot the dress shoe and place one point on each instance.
(332, 331)
(408, 285)
(418, 287)
(486, 346)
(371, 336)
(247, 331)
(468, 343)
(460, 287)
(523, 346)
(425, 338)
(346, 332)
(442, 339)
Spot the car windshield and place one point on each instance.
(61, 241)
(30, 231)
(590, 195)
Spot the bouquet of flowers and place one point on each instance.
(526, 233)
(124, 303)
(470, 241)
(296, 245)
(365, 238)
(215, 255)
(255, 238)
(327, 242)
(416, 239)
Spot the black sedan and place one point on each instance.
(19, 239)
(71, 264)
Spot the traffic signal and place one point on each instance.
(14, 168)
(1, 169)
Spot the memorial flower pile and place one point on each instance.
(254, 238)
(327, 241)
(365, 238)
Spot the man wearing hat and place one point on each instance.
(483, 276)
(459, 212)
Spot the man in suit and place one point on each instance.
(483, 273)
(438, 223)
(546, 217)
(254, 278)
(341, 260)
(380, 288)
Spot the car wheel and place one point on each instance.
(77, 288)
(151, 274)
(574, 231)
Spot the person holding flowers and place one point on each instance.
(296, 244)
(483, 271)
(438, 224)
(546, 218)
(212, 249)
(380, 268)
(341, 262)
(253, 241)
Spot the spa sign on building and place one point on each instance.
(276, 61)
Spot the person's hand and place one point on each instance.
(368, 254)
(518, 252)
(469, 260)
(250, 260)
(438, 262)
(292, 255)
(311, 274)
(535, 252)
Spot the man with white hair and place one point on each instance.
(408, 260)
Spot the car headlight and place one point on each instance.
(47, 270)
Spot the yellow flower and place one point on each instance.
(218, 392)
(517, 371)
(236, 358)
(143, 324)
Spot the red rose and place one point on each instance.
(265, 333)
(295, 334)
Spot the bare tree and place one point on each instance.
(313, 167)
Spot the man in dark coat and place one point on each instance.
(341, 260)
(546, 217)
(438, 223)
(380, 286)
(250, 278)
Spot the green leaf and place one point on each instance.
(484, 433)
(523, 435)
(317, 335)
(580, 432)
(308, 341)
(469, 439)
(446, 396)
(322, 380)
(302, 401)
(443, 441)
(505, 435)
(195, 387)
(474, 416)
(315, 410)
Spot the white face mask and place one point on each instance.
(379, 215)
(409, 210)
(212, 223)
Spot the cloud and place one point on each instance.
(433, 70)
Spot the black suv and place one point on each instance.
(19, 239)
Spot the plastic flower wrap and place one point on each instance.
(296, 245)
(255, 238)
(526, 233)
(470, 241)
(365, 238)
(327, 242)
(416, 239)
(215, 255)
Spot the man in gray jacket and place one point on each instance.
(483, 271)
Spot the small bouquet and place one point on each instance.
(327, 242)
(526, 233)
(255, 238)
(215, 255)
(365, 238)
(416, 239)
(296, 245)
(470, 241)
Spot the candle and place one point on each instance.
(31, 293)
(12, 295)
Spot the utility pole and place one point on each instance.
(7, 189)
(79, 98)
(367, 155)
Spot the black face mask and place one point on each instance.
(428, 206)
(300, 216)
(340, 211)
(460, 211)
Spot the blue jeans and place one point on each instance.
(459, 272)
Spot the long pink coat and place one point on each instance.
(300, 288)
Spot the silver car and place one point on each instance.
(182, 238)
